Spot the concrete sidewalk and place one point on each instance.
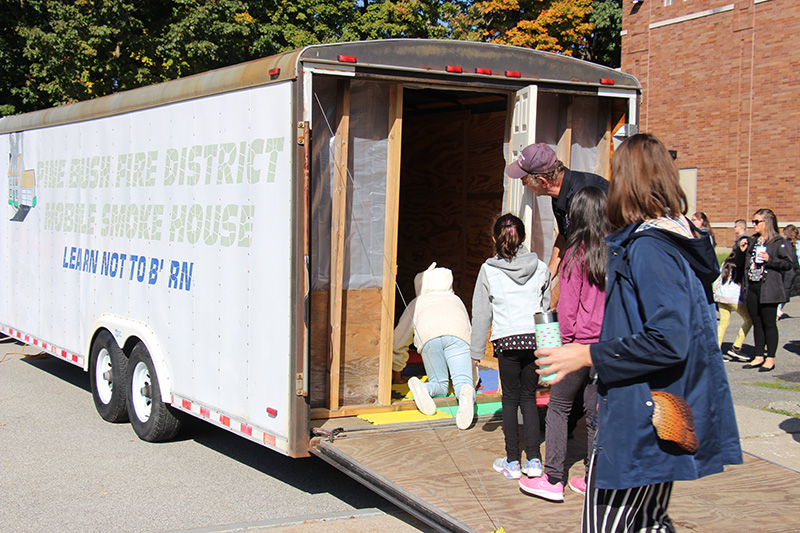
(773, 436)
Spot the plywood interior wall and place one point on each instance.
(451, 190)
(358, 368)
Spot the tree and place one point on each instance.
(605, 46)
(54, 52)
(560, 26)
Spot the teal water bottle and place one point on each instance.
(548, 335)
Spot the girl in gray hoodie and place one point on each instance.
(512, 286)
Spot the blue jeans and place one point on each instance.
(446, 355)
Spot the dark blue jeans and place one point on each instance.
(518, 379)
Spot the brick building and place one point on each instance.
(721, 85)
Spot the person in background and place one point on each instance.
(735, 352)
(511, 287)
(700, 220)
(658, 338)
(739, 231)
(726, 293)
(582, 278)
(764, 257)
(791, 279)
(438, 324)
(543, 173)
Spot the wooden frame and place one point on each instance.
(338, 214)
(390, 242)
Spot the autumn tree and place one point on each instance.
(560, 26)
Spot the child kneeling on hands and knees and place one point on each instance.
(438, 324)
(511, 287)
(657, 358)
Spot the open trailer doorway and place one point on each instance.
(451, 185)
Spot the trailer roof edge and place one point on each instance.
(409, 55)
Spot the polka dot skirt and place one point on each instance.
(526, 341)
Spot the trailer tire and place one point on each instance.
(108, 374)
(151, 418)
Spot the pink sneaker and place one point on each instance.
(577, 484)
(540, 486)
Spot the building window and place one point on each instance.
(667, 3)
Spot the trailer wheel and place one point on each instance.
(152, 419)
(108, 372)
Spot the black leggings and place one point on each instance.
(518, 379)
(765, 321)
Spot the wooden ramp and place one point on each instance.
(447, 471)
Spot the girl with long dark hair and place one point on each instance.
(764, 257)
(582, 278)
(511, 287)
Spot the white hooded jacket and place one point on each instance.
(435, 312)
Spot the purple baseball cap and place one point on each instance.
(533, 159)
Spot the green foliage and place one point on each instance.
(54, 52)
(604, 45)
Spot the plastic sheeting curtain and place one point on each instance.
(366, 182)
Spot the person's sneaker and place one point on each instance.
(532, 468)
(510, 470)
(577, 484)
(735, 354)
(422, 398)
(466, 407)
(540, 486)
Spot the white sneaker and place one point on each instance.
(422, 398)
(466, 407)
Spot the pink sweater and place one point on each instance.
(580, 306)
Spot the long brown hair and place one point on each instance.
(770, 223)
(705, 224)
(644, 182)
(791, 233)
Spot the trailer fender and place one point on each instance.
(123, 329)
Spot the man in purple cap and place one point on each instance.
(541, 171)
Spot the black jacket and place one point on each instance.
(780, 261)
(791, 278)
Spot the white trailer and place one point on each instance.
(237, 245)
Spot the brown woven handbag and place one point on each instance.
(673, 420)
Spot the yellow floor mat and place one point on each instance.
(398, 417)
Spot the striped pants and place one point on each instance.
(640, 509)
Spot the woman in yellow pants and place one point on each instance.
(726, 294)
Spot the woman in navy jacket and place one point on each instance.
(659, 334)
